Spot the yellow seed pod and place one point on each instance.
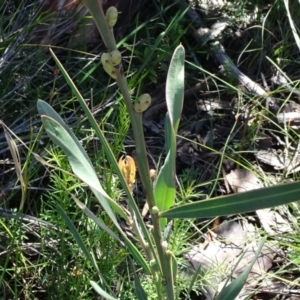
(105, 58)
(111, 16)
(108, 66)
(115, 57)
(130, 222)
(128, 169)
(142, 103)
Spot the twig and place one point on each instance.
(9, 214)
(219, 54)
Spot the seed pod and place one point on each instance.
(152, 262)
(164, 245)
(105, 59)
(155, 210)
(152, 173)
(111, 16)
(108, 66)
(154, 265)
(142, 103)
(115, 57)
(130, 222)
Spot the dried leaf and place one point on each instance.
(128, 169)
(242, 180)
(16, 157)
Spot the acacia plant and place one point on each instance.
(152, 252)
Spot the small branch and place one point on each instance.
(220, 55)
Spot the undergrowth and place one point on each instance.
(40, 262)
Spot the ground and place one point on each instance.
(238, 131)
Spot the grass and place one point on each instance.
(39, 262)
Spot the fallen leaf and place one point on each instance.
(242, 180)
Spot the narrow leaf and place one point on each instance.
(101, 292)
(140, 292)
(15, 155)
(175, 86)
(80, 243)
(45, 109)
(165, 188)
(76, 235)
(136, 254)
(233, 289)
(132, 249)
(237, 203)
(17, 161)
(174, 267)
(165, 184)
(76, 155)
(80, 166)
(292, 24)
(92, 216)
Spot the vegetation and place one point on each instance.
(72, 225)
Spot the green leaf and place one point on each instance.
(237, 203)
(101, 292)
(92, 216)
(175, 87)
(140, 292)
(233, 289)
(76, 235)
(133, 250)
(45, 109)
(78, 154)
(165, 191)
(77, 159)
(294, 30)
(137, 255)
(174, 267)
(80, 243)
(114, 165)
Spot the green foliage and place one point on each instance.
(163, 196)
(165, 183)
(87, 232)
(237, 203)
(232, 290)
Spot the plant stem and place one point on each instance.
(144, 171)
(95, 8)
